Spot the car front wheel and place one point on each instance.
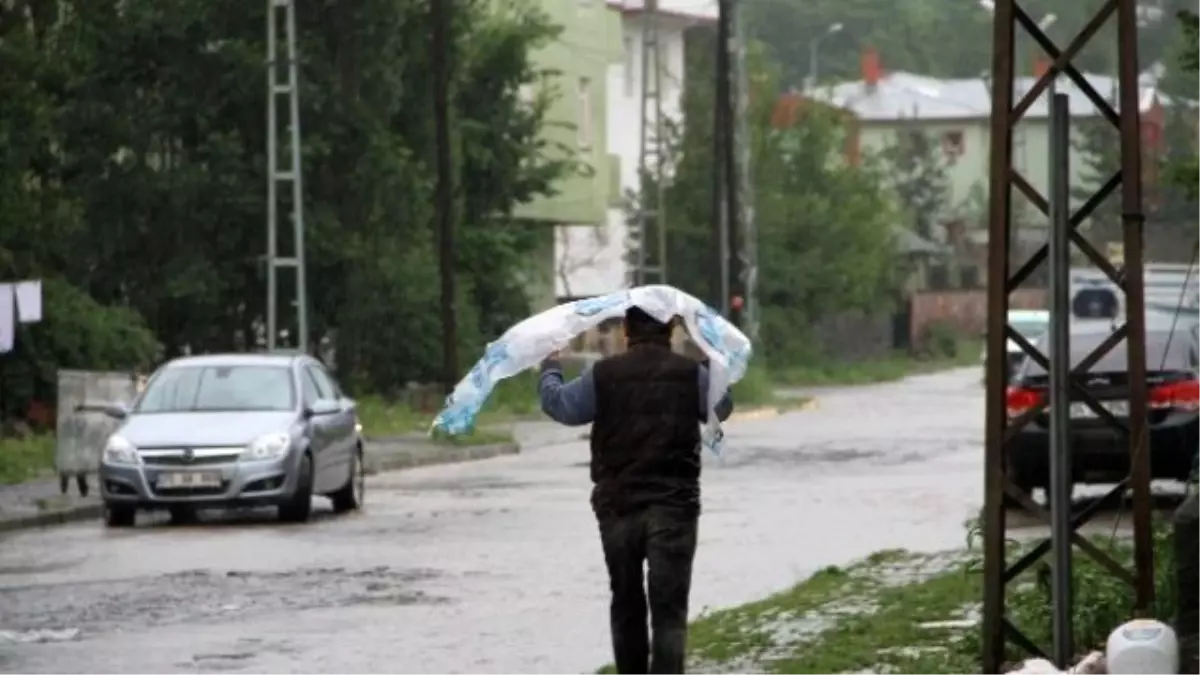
(299, 507)
(352, 494)
(118, 515)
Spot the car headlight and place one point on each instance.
(269, 446)
(120, 451)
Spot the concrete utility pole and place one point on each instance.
(733, 213)
(284, 11)
(441, 60)
(721, 223)
(747, 254)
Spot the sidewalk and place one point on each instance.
(40, 503)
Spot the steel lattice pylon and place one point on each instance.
(1006, 113)
(284, 12)
(650, 236)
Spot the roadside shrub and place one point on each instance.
(938, 339)
(1101, 600)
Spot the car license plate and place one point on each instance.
(189, 479)
(1081, 410)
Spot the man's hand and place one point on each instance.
(552, 362)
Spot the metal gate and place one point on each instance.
(81, 434)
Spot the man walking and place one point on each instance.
(645, 406)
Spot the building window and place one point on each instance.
(630, 64)
(584, 123)
(953, 145)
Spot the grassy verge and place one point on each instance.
(24, 459)
(901, 612)
(514, 399)
(882, 369)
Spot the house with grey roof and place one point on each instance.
(957, 112)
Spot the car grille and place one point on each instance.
(198, 456)
(190, 492)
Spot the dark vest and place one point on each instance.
(646, 433)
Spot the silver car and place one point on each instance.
(233, 430)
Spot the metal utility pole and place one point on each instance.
(747, 253)
(721, 223)
(440, 59)
(284, 11)
(1006, 114)
(651, 265)
(1059, 491)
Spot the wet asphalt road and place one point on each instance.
(492, 566)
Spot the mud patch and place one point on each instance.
(197, 596)
(466, 487)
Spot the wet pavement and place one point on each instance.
(491, 566)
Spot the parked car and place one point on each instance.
(1100, 453)
(1031, 324)
(233, 430)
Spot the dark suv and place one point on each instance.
(1100, 453)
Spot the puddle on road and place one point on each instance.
(128, 604)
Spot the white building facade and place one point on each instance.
(591, 260)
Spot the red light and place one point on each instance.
(1018, 400)
(1182, 395)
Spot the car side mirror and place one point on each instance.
(116, 411)
(323, 408)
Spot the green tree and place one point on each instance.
(132, 164)
(824, 226)
(938, 38)
(1169, 199)
(916, 171)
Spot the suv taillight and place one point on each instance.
(1181, 395)
(1018, 400)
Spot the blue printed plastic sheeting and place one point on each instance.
(528, 343)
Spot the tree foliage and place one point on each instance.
(825, 227)
(133, 172)
(1170, 194)
(939, 38)
(916, 171)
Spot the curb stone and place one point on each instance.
(50, 518)
(391, 461)
(436, 455)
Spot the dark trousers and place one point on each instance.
(664, 540)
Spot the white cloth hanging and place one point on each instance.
(7, 319)
(29, 301)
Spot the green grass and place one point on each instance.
(24, 459)
(513, 400)
(868, 371)
(869, 616)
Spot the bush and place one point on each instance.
(938, 339)
(76, 332)
(1101, 600)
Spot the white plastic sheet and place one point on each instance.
(528, 343)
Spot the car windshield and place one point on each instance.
(219, 388)
(1029, 329)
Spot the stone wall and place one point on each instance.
(963, 310)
